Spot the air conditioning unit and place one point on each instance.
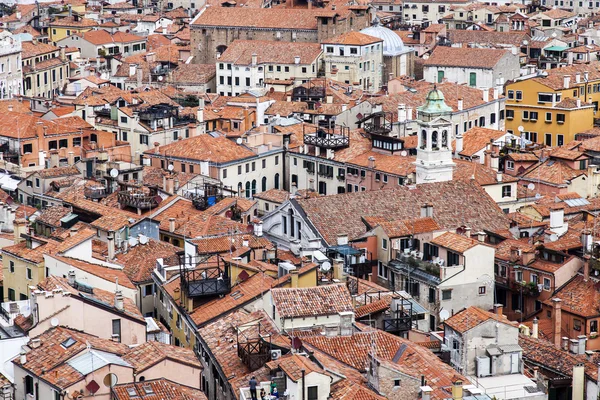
(483, 366)
(275, 354)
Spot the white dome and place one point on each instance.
(392, 44)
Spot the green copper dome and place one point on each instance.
(434, 103)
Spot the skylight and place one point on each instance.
(131, 392)
(148, 389)
(68, 343)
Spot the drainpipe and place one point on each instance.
(303, 385)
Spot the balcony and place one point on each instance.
(201, 282)
(335, 138)
(95, 192)
(254, 346)
(413, 266)
(138, 199)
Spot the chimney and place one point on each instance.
(578, 77)
(401, 113)
(200, 113)
(586, 268)
(459, 143)
(581, 339)
(427, 210)
(338, 269)
(156, 148)
(132, 69)
(371, 162)
(118, 297)
(169, 184)
(499, 309)
(535, 329)
(481, 236)
(460, 104)
(342, 239)
(409, 113)
(496, 93)
(54, 158)
(557, 321)
(578, 103)
(573, 346)
(140, 76)
(294, 275)
(578, 382)
(71, 158)
(111, 245)
(586, 76)
(586, 240)
(35, 343)
(20, 228)
(71, 278)
(171, 225)
(557, 215)
(426, 392)
(39, 129)
(297, 60)
(566, 81)
(564, 343)
(498, 176)
(457, 390)
(23, 358)
(258, 229)
(245, 241)
(254, 59)
(486, 95)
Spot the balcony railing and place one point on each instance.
(328, 138)
(95, 192)
(199, 282)
(137, 199)
(396, 325)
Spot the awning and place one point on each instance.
(345, 250)
(556, 48)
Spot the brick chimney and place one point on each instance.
(557, 321)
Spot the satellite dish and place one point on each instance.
(143, 239)
(54, 322)
(403, 153)
(114, 173)
(132, 242)
(160, 78)
(444, 315)
(537, 196)
(520, 128)
(170, 167)
(239, 141)
(531, 186)
(326, 266)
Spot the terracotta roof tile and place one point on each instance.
(106, 273)
(241, 294)
(151, 353)
(467, 57)
(455, 242)
(341, 214)
(399, 228)
(471, 317)
(476, 139)
(312, 301)
(353, 38)
(260, 18)
(579, 297)
(414, 360)
(205, 148)
(161, 389)
(139, 261)
(270, 52)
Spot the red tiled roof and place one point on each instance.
(161, 389)
(312, 301)
(471, 317)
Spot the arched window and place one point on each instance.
(445, 139)
(264, 184)
(240, 189)
(276, 184)
(434, 139)
(248, 189)
(253, 187)
(423, 138)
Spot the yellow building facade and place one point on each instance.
(553, 108)
(67, 26)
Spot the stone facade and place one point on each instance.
(210, 39)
